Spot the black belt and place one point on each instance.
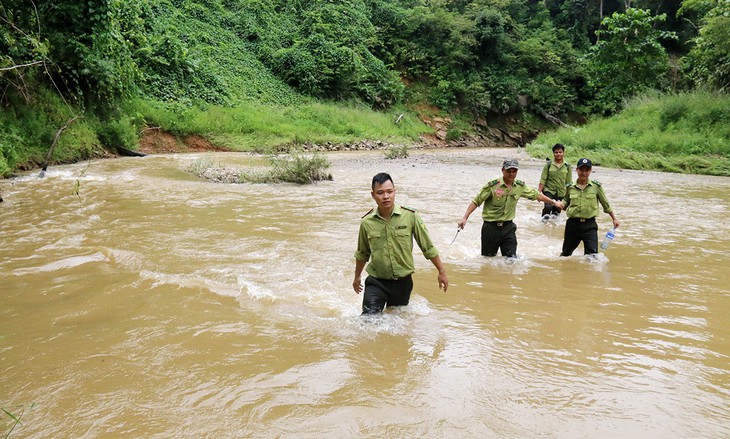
(500, 223)
(390, 280)
(583, 220)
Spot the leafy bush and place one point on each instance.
(295, 167)
(330, 56)
(628, 59)
(118, 132)
(672, 113)
(299, 168)
(9, 143)
(397, 152)
(708, 63)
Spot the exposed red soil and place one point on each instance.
(156, 141)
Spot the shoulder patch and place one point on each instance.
(408, 208)
(369, 212)
(493, 182)
(519, 182)
(596, 182)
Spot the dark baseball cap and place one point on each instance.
(510, 164)
(584, 162)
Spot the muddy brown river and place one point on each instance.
(156, 304)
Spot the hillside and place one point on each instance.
(254, 75)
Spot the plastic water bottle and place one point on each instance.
(608, 238)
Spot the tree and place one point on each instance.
(708, 63)
(330, 56)
(22, 48)
(628, 59)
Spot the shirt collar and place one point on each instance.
(396, 211)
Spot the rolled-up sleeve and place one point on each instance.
(603, 200)
(363, 246)
(482, 196)
(420, 233)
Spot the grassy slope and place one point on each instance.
(257, 112)
(260, 111)
(687, 132)
(680, 133)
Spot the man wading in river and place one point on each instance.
(386, 239)
(555, 177)
(500, 201)
(581, 204)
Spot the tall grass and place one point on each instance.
(261, 127)
(295, 167)
(27, 132)
(687, 132)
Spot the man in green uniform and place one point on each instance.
(386, 239)
(500, 201)
(581, 206)
(555, 177)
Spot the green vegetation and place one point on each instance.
(255, 74)
(260, 127)
(14, 418)
(295, 167)
(27, 133)
(397, 152)
(676, 133)
(629, 58)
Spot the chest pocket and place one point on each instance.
(503, 200)
(402, 235)
(376, 241)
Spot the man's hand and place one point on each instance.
(443, 281)
(357, 285)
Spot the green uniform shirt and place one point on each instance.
(390, 243)
(555, 179)
(583, 203)
(500, 201)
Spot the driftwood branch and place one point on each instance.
(55, 140)
(554, 120)
(5, 69)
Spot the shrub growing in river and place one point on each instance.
(289, 168)
(299, 168)
(397, 152)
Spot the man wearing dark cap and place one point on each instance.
(555, 177)
(500, 201)
(581, 206)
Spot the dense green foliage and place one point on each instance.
(205, 66)
(676, 132)
(629, 58)
(708, 63)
